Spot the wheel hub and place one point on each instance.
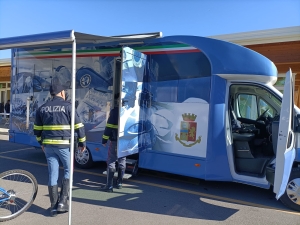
(293, 190)
(12, 196)
(82, 157)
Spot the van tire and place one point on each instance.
(295, 174)
(84, 160)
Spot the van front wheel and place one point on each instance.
(291, 196)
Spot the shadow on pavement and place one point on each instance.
(158, 202)
(134, 196)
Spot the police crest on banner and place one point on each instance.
(188, 130)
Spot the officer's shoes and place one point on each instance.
(119, 181)
(52, 212)
(63, 206)
(118, 185)
(53, 194)
(107, 188)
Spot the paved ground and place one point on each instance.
(3, 133)
(150, 198)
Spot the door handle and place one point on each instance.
(290, 139)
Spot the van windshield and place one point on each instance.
(253, 101)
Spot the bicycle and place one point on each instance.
(18, 189)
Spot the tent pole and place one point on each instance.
(72, 124)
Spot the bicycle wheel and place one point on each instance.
(18, 189)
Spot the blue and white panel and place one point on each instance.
(133, 130)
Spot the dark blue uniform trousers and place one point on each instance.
(112, 157)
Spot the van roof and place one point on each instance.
(224, 57)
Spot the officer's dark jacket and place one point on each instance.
(7, 107)
(52, 124)
(111, 129)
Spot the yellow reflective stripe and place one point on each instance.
(38, 138)
(112, 126)
(78, 125)
(35, 127)
(55, 142)
(56, 127)
(105, 137)
(82, 139)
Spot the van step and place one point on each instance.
(132, 166)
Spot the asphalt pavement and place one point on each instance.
(150, 198)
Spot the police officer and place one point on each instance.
(53, 131)
(111, 133)
(7, 106)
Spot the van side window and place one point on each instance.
(247, 106)
(252, 106)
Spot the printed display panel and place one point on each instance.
(33, 73)
(180, 128)
(149, 124)
(155, 91)
(133, 135)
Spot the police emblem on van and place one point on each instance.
(85, 80)
(188, 130)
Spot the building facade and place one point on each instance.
(282, 46)
(4, 80)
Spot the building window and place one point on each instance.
(279, 85)
(2, 85)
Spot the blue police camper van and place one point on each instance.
(191, 106)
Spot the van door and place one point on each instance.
(285, 146)
(132, 135)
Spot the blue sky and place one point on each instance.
(116, 17)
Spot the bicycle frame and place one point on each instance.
(4, 193)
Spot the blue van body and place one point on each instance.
(188, 68)
(190, 105)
